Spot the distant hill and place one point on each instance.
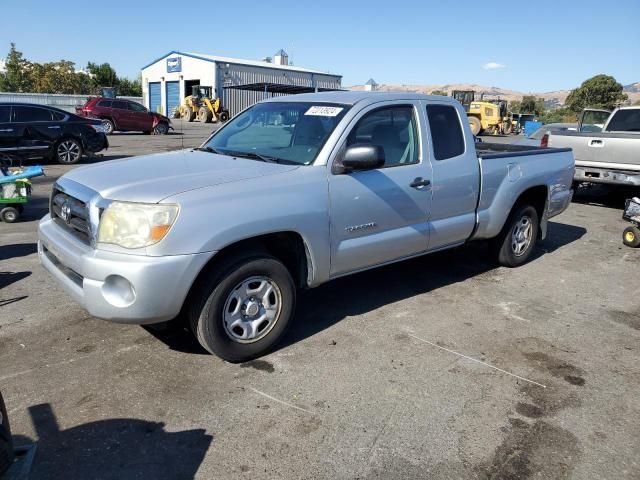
(632, 88)
(551, 99)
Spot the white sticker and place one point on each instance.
(324, 111)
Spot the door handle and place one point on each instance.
(7, 130)
(56, 126)
(420, 182)
(596, 143)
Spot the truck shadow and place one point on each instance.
(116, 448)
(367, 291)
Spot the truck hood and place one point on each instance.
(151, 178)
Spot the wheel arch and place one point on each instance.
(538, 197)
(287, 246)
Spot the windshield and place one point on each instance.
(285, 132)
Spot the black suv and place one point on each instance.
(36, 131)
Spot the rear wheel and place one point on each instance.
(68, 151)
(109, 127)
(243, 309)
(9, 214)
(475, 125)
(514, 244)
(631, 237)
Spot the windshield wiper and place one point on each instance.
(261, 157)
(211, 150)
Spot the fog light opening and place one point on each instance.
(118, 291)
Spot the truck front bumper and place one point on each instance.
(122, 288)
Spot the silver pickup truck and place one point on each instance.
(606, 146)
(291, 193)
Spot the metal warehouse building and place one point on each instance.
(239, 83)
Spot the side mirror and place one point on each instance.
(363, 156)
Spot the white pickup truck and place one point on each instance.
(606, 146)
(291, 193)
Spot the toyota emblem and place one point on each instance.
(65, 212)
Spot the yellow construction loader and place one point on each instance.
(484, 116)
(200, 106)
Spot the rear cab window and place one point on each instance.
(447, 137)
(625, 121)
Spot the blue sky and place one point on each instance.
(539, 45)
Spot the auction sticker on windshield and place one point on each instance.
(323, 111)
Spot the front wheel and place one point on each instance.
(514, 244)
(243, 309)
(161, 129)
(68, 151)
(631, 237)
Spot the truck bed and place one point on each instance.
(487, 151)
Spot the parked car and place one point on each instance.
(226, 232)
(535, 138)
(606, 146)
(34, 131)
(119, 114)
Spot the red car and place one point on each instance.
(124, 115)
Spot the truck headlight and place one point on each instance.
(136, 225)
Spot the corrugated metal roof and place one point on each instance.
(240, 61)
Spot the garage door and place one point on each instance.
(173, 96)
(155, 97)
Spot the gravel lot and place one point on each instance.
(442, 367)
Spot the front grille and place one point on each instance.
(71, 214)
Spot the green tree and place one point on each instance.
(129, 88)
(439, 92)
(601, 91)
(14, 79)
(515, 106)
(559, 115)
(57, 77)
(532, 104)
(103, 75)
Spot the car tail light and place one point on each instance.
(544, 142)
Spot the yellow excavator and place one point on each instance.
(491, 116)
(200, 106)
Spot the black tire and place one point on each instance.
(631, 237)
(68, 151)
(9, 214)
(506, 250)
(109, 126)
(224, 116)
(214, 293)
(161, 129)
(476, 126)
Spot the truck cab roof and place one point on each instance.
(351, 97)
